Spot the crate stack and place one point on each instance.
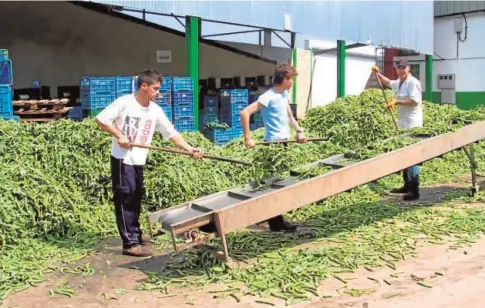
(232, 103)
(98, 92)
(6, 81)
(256, 120)
(165, 98)
(183, 104)
(210, 110)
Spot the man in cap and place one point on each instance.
(408, 98)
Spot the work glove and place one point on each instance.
(391, 105)
(375, 69)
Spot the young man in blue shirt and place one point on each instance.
(277, 117)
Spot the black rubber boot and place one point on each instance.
(279, 224)
(405, 188)
(413, 193)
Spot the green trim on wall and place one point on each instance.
(464, 100)
(295, 80)
(469, 100)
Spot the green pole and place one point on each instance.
(340, 68)
(192, 35)
(294, 54)
(429, 78)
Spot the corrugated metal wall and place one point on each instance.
(407, 24)
(443, 8)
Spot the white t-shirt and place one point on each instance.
(138, 124)
(409, 116)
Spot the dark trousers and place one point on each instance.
(276, 222)
(128, 192)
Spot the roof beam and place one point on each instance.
(331, 50)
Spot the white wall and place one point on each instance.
(57, 43)
(357, 72)
(279, 54)
(469, 66)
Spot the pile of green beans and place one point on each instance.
(56, 200)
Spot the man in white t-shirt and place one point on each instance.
(132, 119)
(408, 98)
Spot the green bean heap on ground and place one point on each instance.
(56, 196)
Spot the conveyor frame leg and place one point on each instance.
(470, 152)
(223, 255)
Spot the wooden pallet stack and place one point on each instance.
(41, 110)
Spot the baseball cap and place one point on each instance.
(402, 62)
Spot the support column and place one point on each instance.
(340, 68)
(429, 78)
(192, 36)
(294, 64)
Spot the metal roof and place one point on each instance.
(448, 8)
(400, 23)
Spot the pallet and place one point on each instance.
(41, 110)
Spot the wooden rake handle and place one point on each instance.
(385, 99)
(177, 151)
(291, 141)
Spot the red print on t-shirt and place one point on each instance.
(145, 133)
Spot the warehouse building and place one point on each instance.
(458, 54)
(53, 45)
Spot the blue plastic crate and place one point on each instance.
(231, 109)
(185, 98)
(3, 54)
(167, 84)
(167, 110)
(98, 85)
(97, 101)
(6, 72)
(257, 117)
(186, 124)
(209, 101)
(164, 100)
(76, 113)
(253, 98)
(207, 118)
(255, 126)
(233, 121)
(238, 95)
(221, 136)
(239, 92)
(182, 84)
(181, 111)
(211, 110)
(6, 109)
(124, 85)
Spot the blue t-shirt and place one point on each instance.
(275, 115)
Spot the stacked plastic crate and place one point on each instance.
(98, 92)
(256, 120)
(232, 103)
(209, 110)
(165, 98)
(6, 81)
(183, 104)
